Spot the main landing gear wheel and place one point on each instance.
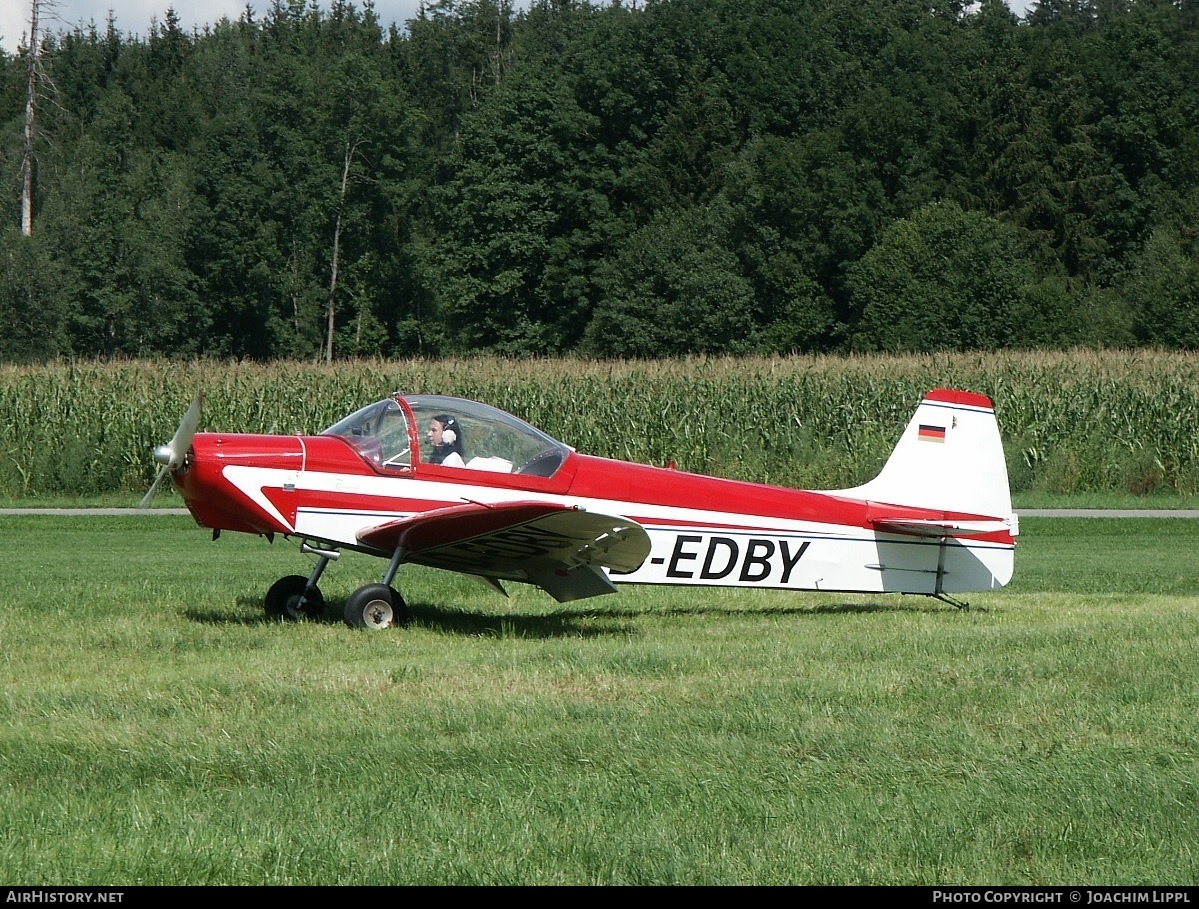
(375, 606)
(289, 599)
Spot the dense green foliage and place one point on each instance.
(668, 177)
(1073, 424)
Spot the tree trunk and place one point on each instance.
(341, 201)
(30, 117)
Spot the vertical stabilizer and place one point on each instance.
(950, 458)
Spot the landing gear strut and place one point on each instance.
(372, 606)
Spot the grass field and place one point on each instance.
(155, 728)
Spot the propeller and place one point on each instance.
(171, 455)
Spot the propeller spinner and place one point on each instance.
(172, 454)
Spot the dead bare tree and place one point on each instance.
(30, 119)
(347, 165)
(39, 87)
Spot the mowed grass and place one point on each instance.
(155, 728)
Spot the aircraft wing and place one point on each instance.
(561, 549)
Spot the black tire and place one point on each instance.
(288, 599)
(375, 606)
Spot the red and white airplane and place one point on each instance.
(510, 503)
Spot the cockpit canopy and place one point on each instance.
(394, 434)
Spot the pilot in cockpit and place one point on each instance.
(445, 439)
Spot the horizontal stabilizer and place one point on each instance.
(943, 528)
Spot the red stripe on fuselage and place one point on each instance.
(639, 484)
(290, 501)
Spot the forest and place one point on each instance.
(657, 178)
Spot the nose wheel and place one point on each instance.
(375, 606)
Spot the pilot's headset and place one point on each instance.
(449, 429)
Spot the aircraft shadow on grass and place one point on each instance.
(585, 623)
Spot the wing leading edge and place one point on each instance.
(561, 549)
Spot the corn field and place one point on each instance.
(1073, 423)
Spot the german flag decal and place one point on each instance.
(932, 433)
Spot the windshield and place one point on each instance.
(379, 431)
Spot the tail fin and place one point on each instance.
(950, 459)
